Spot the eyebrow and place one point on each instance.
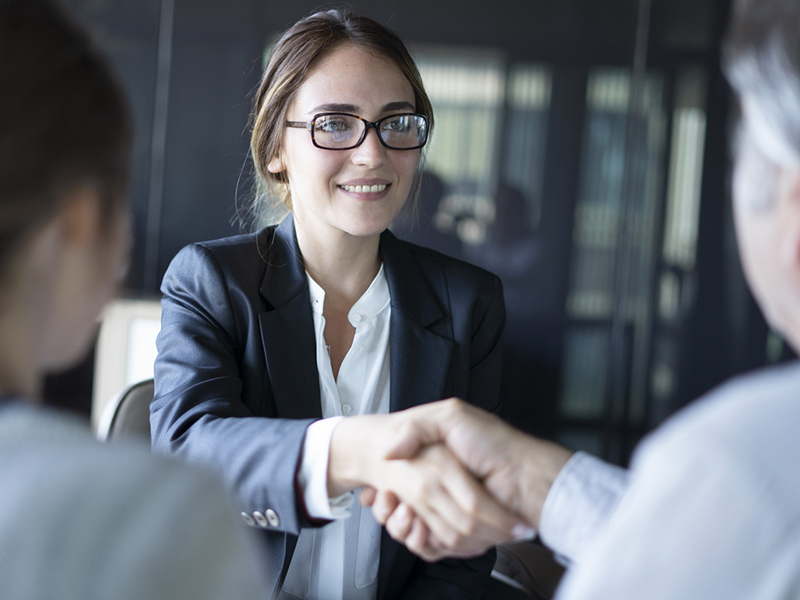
(352, 108)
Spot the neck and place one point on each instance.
(342, 264)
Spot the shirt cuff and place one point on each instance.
(579, 504)
(313, 474)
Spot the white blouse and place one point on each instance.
(340, 560)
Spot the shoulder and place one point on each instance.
(744, 429)
(61, 455)
(458, 274)
(117, 505)
(230, 253)
(212, 272)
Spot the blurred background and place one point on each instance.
(580, 152)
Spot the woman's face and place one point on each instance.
(323, 183)
(86, 279)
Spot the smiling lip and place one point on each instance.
(365, 186)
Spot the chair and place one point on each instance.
(127, 415)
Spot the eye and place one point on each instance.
(397, 125)
(332, 125)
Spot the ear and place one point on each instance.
(276, 165)
(79, 216)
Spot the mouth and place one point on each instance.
(364, 189)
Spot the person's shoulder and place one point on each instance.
(238, 258)
(146, 522)
(750, 421)
(455, 270)
(62, 453)
(233, 248)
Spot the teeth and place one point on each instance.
(364, 189)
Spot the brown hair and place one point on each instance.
(294, 56)
(64, 120)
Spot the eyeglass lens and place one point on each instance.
(336, 131)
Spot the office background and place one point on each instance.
(580, 151)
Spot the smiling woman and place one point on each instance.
(268, 340)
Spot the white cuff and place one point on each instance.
(579, 503)
(313, 474)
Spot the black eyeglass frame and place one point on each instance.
(309, 125)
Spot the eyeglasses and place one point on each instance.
(342, 131)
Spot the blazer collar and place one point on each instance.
(285, 275)
(411, 292)
(287, 326)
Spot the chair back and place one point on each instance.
(127, 415)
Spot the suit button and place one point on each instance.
(272, 517)
(248, 519)
(260, 519)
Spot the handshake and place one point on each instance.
(447, 478)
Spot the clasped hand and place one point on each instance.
(445, 478)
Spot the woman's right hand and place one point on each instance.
(443, 495)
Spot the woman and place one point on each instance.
(80, 520)
(329, 315)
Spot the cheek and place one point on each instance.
(406, 164)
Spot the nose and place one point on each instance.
(371, 153)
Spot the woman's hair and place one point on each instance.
(293, 58)
(761, 58)
(63, 121)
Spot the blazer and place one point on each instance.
(236, 381)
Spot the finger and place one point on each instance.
(367, 496)
(399, 524)
(465, 507)
(485, 515)
(384, 505)
(417, 542)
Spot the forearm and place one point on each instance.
(539, 464)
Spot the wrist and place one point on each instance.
(348, 462)
(541, 462)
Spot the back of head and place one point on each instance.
(762, 62)
(64, 121)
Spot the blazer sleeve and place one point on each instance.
(197, 412)
(467, 579)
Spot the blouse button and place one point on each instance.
(358, 318)
(346, 409)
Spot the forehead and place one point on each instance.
(355, 76)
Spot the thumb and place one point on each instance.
(417, 427)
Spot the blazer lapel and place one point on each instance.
(420, 361)
(420, 356)
(287, 331)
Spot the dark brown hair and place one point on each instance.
(293, 57)
(63, 118)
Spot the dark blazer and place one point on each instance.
(236, 382)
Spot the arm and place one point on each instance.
(198, 413)
(696, 522)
